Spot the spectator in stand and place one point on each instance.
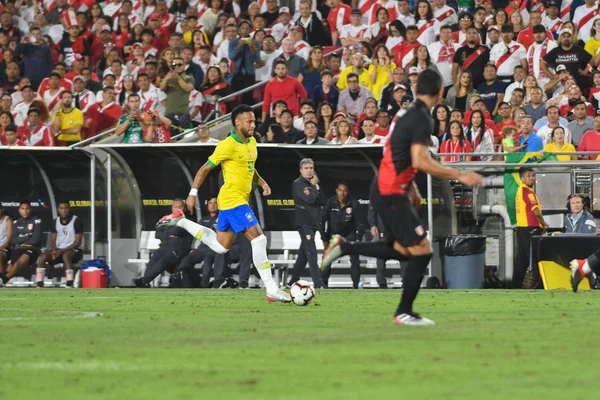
(404, 14)
(311, 135)
(442, 54)
(6, 119)
(355, 31)
(306, 106)
(334, 64)
(204, 58)
(37, 57)
(456, 143)
(127, 88)
(591, 140)
(577, 58)
(214, 88)
(203, 133)
(422, 62)
(529, 137)
(90, 83)
(574, 95)
(367, 127)
(155, 127)
(301, 48)
(465, 21)
(427, 25)
(536, 108)
(544, 132)
(244, 52)
(472, 57)
(593, 44)
(67, 121)
(35, 132)
(268, 54)
(527, 36)
(190, 68)
(519, 75)
(581, 122)
(380, 70)
(21, 109)
(344, 134)
(283, 26)
(357, 68)
(396, 104)
(326, 91)
(379, 28)
(295, 64)
(382, 127)
(324, 116)
(10, 136)
(291, 134)
(441, 120)
(177, 86)
(480, 136)
(406, 52)
(504, 112)
(339, 15)
(396, 35)
(13, 74)
(129, 124)
(273, 117)
(459, 95)
(310, 76)
(584, 17)
(353, 100)
(398, 78)
(492, 90)
(285, 88)
(517, 98)
(312, 25)
(271, 13)
(151, 97)
(370, 111)
(83, 99)
(102, 115)
(507, 54)
(557, 145)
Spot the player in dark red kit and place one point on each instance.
(395, 197)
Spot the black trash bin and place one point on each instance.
(465, 261)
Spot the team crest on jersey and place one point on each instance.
(419, 230)
(30, 226)
(349, 210)
(249, 217)
(71, 122)
(306, 191)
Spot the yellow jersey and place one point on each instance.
(364, 79)
(526, 202)
(552, 148)
(68, 121)
(237, 160)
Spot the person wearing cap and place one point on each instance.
(413, 75)
(21, 109)
(355, 31)
(526, 36)
(398, 77)
(395, 104)
(552, 20)
(301, 48)
(584, 18)
(83, 99)
(471, 57)
(537, 50)
(284, 27)
(314, 31)
(37, 57)
(591, 140)
(507, 54)
(161, 34)
(574, 58)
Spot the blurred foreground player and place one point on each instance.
(237, 156)
(583, 268)
(395, 197)
(6, 225)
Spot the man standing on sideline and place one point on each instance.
(530, 221)
(395, 197)
(338, 217)
(307, 208)
(175, 243)
(6, 226)
(65, 243)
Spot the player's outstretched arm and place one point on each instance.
(262, 183)
(198, 181)
(423, 162)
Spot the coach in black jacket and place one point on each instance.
(175, 243)
(338, 217)
(26, 241)
(307, 201)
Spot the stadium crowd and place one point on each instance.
(518, 75)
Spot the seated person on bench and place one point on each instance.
(175, 243)
(26, 241)
(6, 225)
(65, 243)
(579, 219)
(203, 252)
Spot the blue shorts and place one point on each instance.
(236, 219)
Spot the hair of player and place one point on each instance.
(345, 183)
(429, 83)
(241, 109)
(177, 199)
(63, 201)
(524, 170)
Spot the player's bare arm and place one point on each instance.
(262, 183)
(198, 181)
(424, 163)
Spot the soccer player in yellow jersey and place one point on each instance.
(237, 155)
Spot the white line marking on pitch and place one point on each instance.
(79, 314)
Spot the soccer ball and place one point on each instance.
(302, 293)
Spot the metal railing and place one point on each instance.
(93, 138)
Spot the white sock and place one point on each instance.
(261, 262)
(586, 267)
(203, 234)
(69, 275)
(39, 274)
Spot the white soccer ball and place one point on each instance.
(302, 293)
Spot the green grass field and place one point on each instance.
(230, 344)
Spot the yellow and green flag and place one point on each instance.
(512, 179)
